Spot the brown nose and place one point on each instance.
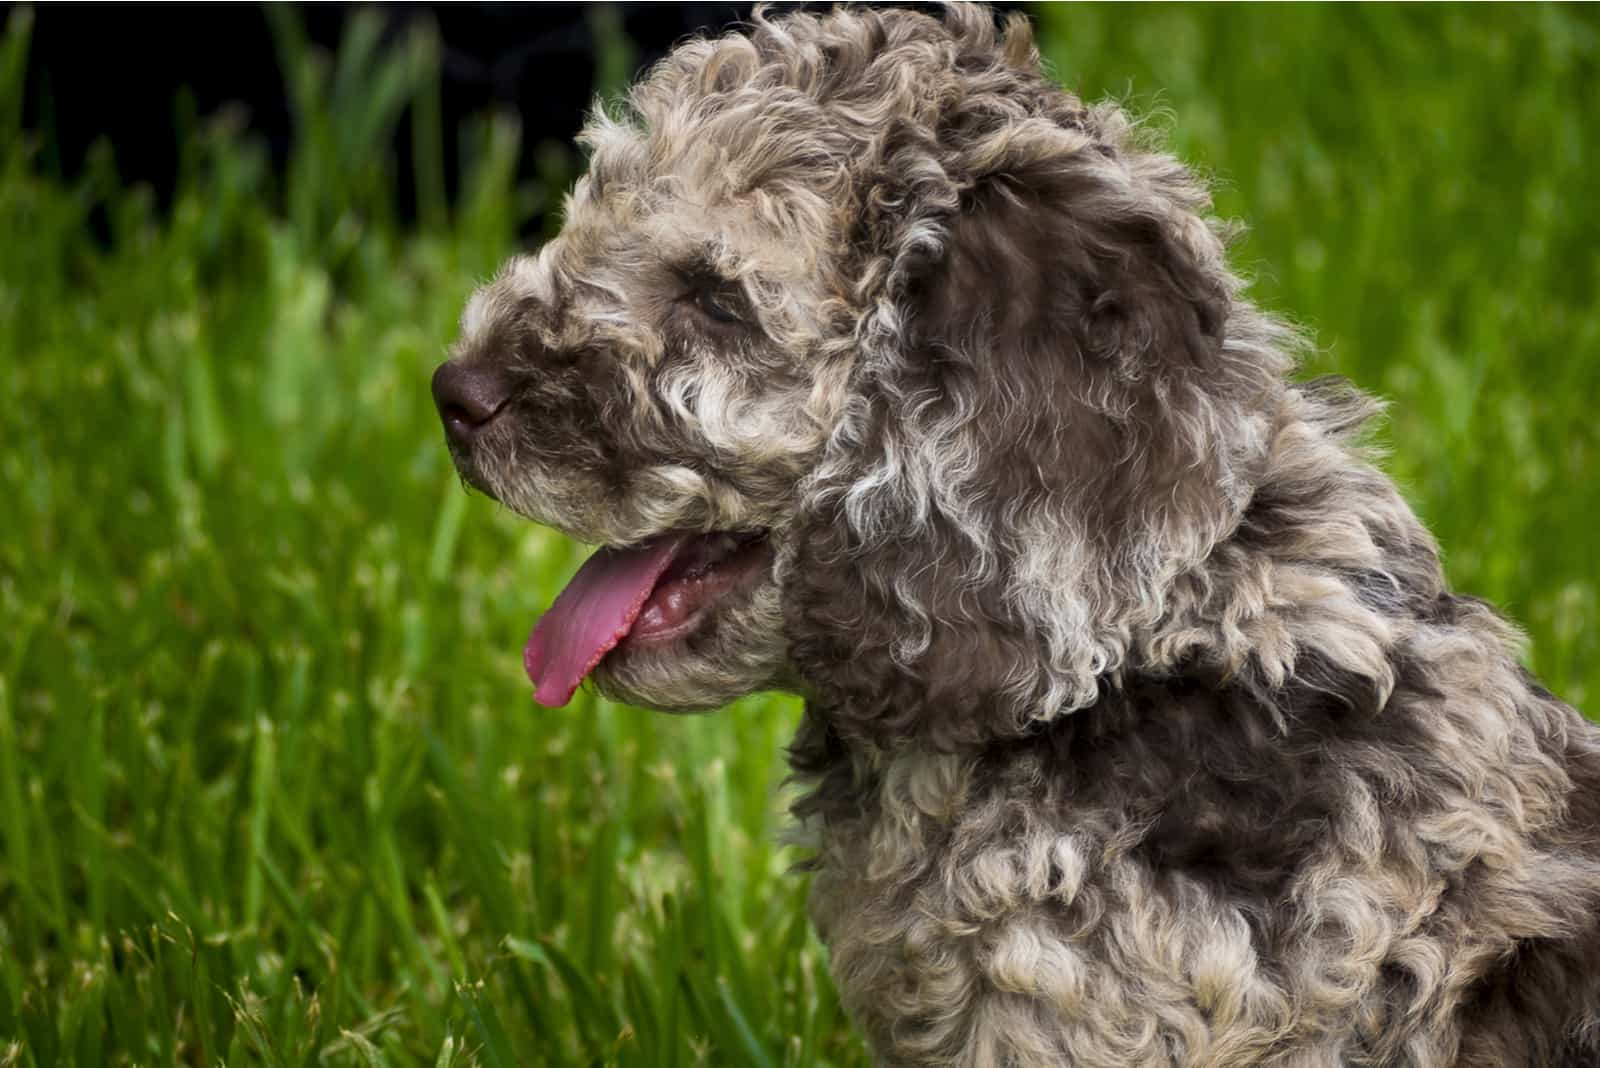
(468, 397)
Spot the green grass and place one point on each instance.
(272, 790)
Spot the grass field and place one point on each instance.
(272, 789)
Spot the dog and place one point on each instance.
(1141, 727)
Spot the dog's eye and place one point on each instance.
(717, 301)
(715, 306)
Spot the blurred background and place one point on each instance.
(272, 788)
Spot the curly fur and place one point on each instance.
(1141, 725)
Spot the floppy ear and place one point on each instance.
(1043, 430)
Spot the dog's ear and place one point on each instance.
(1044, 428)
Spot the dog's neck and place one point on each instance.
(1316, 588)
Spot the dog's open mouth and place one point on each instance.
(655, 591)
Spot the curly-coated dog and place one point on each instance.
(1141, 726)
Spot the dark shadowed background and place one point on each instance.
(119, 72)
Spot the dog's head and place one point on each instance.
(882, 367)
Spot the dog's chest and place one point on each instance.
(1006, 919)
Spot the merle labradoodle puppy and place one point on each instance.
(1141, 726)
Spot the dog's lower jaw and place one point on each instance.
(737, 651)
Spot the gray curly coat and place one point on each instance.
(1141, 725)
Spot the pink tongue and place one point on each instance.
(592, 615)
